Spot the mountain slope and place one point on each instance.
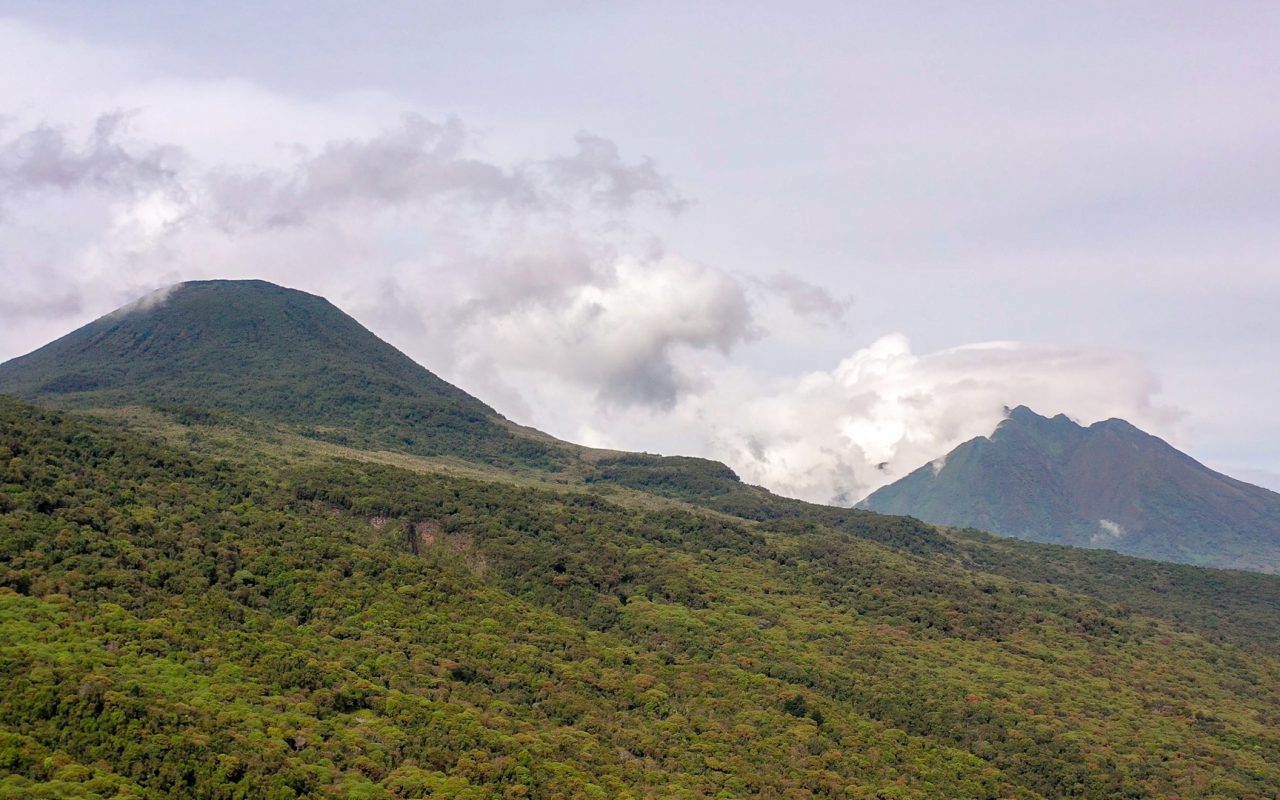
(260, 350)
(281, 624)
(1108, 485)
(198, 604)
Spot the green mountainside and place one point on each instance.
(256, 349)
(192, 624)
(208, 599)
(1108, 485)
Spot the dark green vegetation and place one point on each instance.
(204, 603)
(187, 624)
(1109, 485)
(256, 349)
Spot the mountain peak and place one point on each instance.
(1024, 414)
(1022, 419)
(259, 350)
(1106, 485)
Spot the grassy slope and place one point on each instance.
(228, 619)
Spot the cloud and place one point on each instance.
(45, 158)
(618, 333)
(885, 411)
(1108, 532)
(525, 267)
(416, 162)
(148, 301)
(419, 162)
(528, 280)
(806, 299)
(835, 435)
(598, 170)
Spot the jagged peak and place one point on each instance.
(1023, 417)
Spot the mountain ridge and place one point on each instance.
(265, 352)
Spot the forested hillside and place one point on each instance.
(228, 621)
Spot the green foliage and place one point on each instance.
(185, 625)
(680, 477)
(712, 485)
(1220, 605)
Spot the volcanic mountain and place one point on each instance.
(1108, 485)
(254, 349)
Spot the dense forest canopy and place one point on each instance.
(191, 613)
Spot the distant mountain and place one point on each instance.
(1108, 485)
(255, 349)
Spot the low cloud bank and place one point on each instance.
(834, 436)
(532, 282)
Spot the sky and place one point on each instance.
(822, 242)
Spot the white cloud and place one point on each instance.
(527, 280)
(616, 334)
(836, 435)
(1108, 533)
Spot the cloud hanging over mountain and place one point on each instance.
(835, 435)
(498, 265)
(535, 279)
(880, 413)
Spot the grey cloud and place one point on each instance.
(421, 161)
(523, 265)
(656, 381)
(651, 376)
(620, 327)
(652, 382)
(52, 303)
(418, 161)
(598, 169)
(546, 277)
(44, 158)
(806, 299)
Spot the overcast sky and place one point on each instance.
(823, 242)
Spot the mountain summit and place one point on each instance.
(262, 351)
(1107, 485)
